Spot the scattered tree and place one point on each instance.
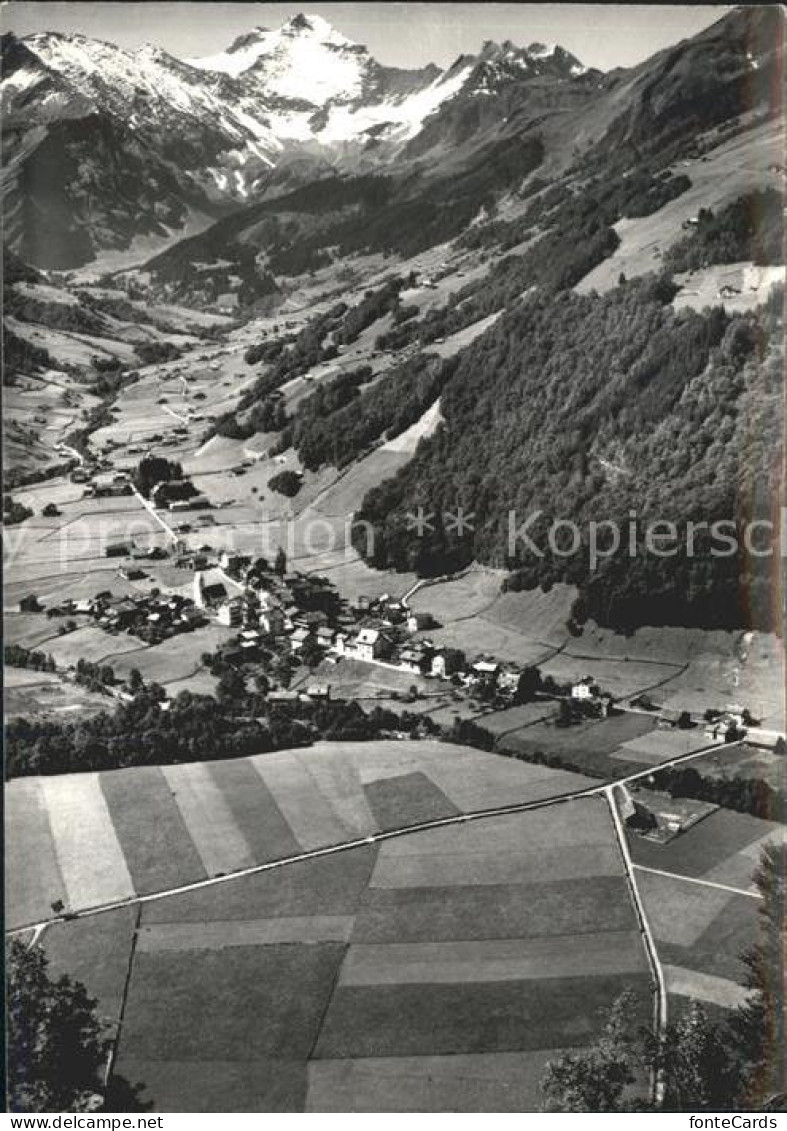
(57, 1047)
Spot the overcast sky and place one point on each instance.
(398, 34)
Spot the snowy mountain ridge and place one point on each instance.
(211, 130)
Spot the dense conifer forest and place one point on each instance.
(596, 408)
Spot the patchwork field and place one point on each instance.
(599, 745)
(723, 848)
(437, 970)
(147, 829)
(701, 932)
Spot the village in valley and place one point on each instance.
(297, 639)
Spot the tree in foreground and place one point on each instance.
(701, 1064)
(758, 1025)
(597, 1078)
(57, 1048)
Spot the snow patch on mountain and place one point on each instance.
(404, 116)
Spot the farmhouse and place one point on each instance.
(209, 589)
(486, 670)
(391, 609)
(117, 550)
(131, 573)
(298, 638)
(227, 303)
(585, 689)
(230, 612)
(724, 729)
(195, 502)
(281, 696)
(508, 678)
(418, 622)
(416, 660)
(166, 492)
(233, 563)
(272, 620)
(120, 613)
(371, 644)
(112, 490)
(325, 636)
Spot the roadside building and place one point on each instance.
(416, 660)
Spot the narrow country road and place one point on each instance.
(152, 510)
(649, 942)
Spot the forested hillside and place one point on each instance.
(591, 408)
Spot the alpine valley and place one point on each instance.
(392, 496)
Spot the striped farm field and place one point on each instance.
(402, 975)
(383, 994)
(471, 952)
(103, 837)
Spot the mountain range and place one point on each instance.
(144, 142)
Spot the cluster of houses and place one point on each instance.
(305, 615)
(150, 616)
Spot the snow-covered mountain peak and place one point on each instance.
(303, 41)
(317, 28)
